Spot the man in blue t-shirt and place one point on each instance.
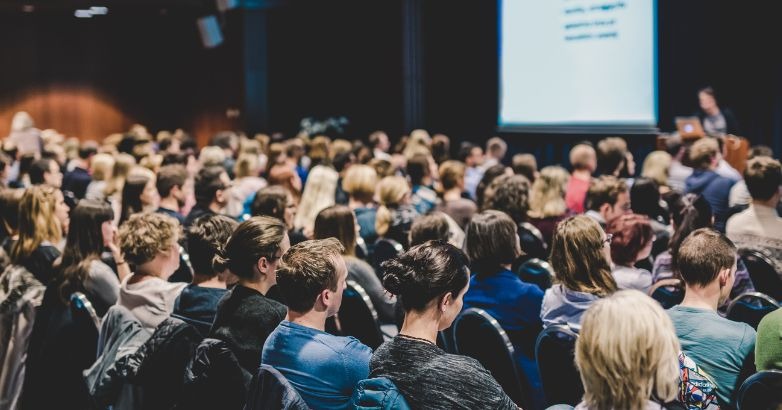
(722, 348)
(323, 368)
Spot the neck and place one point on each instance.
(257, 283)
(712, 111)
(314, 319)
(354, 203)
(205, 281)
(215, 207)
(769, 203)
(582, 174)
(707, 297)
(452, 194)
(423, 325)
(169, 203)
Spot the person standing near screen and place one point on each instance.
(716, 121)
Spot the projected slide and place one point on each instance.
(578, 65)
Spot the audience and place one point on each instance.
(768, 349)
(472, 157)
(657, 167)
(581, 258)
(171, 188)
(197, 304)
(760, 227)
(139, 193)
(452, 181)
(613, 158)
(432, 227)
(78, 178)
(583, 159)
(323, 368)
(677, 172)
(721, 347)
(491, 173)
(211, 185)
(100, 172)
(547, 205)
(509, 194)
(395, 213)
(631, 242)
(430, 281)
(247, 315)
(704, 155)
(526, 165)
(627, 361)
(607, 198)
(46, 172)
(496, 149)
(740, 197)
(360, 183)
(277, 202)
(421, 169)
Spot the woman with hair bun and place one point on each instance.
(430, 281)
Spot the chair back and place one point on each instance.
(751, 307)
(532, 242)
(537, 272)
(762, 390)
(385, 249)
(357, 317)
(555, 355)
(269, 389)
(478, 335)
(764, 277)
(668, 292)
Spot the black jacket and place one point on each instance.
(214, 379)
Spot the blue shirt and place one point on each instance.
(721, 347)
(323, 368)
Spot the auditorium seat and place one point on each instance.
(751, 307)
(357, 317)
(762, 390)
(536, 271)
(761, 271)
(555, 354)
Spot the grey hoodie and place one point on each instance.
(563, 306)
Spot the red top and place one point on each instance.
(576, 194)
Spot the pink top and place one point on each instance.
(576, 194)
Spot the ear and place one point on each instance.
(326, 297)
(724, 275)
(263, 265)
(605, 208)
(446, 301)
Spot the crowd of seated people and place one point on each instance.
(238, 254)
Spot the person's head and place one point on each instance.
(656, 166)
(491, 242)
(608, 195)
(418, 170)
(83, 245)
(318, 194)
(123, 163)
(205, 238)
(431, 227)
(87, 150)
(708, 258)
(254, 250)
(581, 256)
(704, 153)
(10, 200)
(100, 166)
(441, 148)
(391, 193)
(46, 172)
(489, 176)
(313, 275)
(452, 175)
(429, 278)
(645, 198)
(247, 165)
(276, 202)
(379, 140)
(763, 177)
(171, 181)
(360, 182)
(43, 216)
(139, 193)
(627, 359)
(211, 184)
(496, 148)
(759, 151)
(707, 99)
(150, 243)
(525, 164)
(632, 239)
(583, 158)
(470, 154)
(613, 158)
(547, 196)
(337, 221)
(508, 194)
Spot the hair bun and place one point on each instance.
(393, 283)
(220, 262)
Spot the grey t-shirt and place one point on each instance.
(429, 378)
(722, 348)
(102, 286)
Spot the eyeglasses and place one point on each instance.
(608, 238)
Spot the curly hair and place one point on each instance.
(144, 236)
(509, 194)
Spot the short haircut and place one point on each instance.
(168, 177)
(38, 168)
(763, 177)
(509, 194)
(426, 272)
(496, 147)
(374, 138)
(624, 359)
(581, 155)
(207, 183)
(360, 182)
(611, 152)
(432, 227)
(256, 238)
(451, 172)
(760, 151)
(525, 164)
(604, 190)
(491, 240)
(88, 149)
(465, 150)
(306, 270)
(143, 236)
(703, 151)
(270, 201)
(631, 234)
(204, 240)
(703, 255)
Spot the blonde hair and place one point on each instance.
(152, 162)
(318, 194)
(143, 236)
(250, 146)
(122, 165)
(418, 143)
(391, 191)
(360, 182)
(626, 359)
(703, 151)
(578, 257)
(22, 121)
(656, 167)
(211, 156)
(451, 173)
(582, 155)
(37, 221)
(247, 165)
(547, 196)
(101, 166)
(340, 146)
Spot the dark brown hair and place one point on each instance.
(604, 190)
(763, 177)
(338, 222)
(205, 238)
(432, 227)
(632, 232)
(256, 238)
(170, 176)
(490, 241)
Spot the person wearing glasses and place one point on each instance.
(607, 198)
(581, 258)
(211, 193)
(246, 315)
(632, 240)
